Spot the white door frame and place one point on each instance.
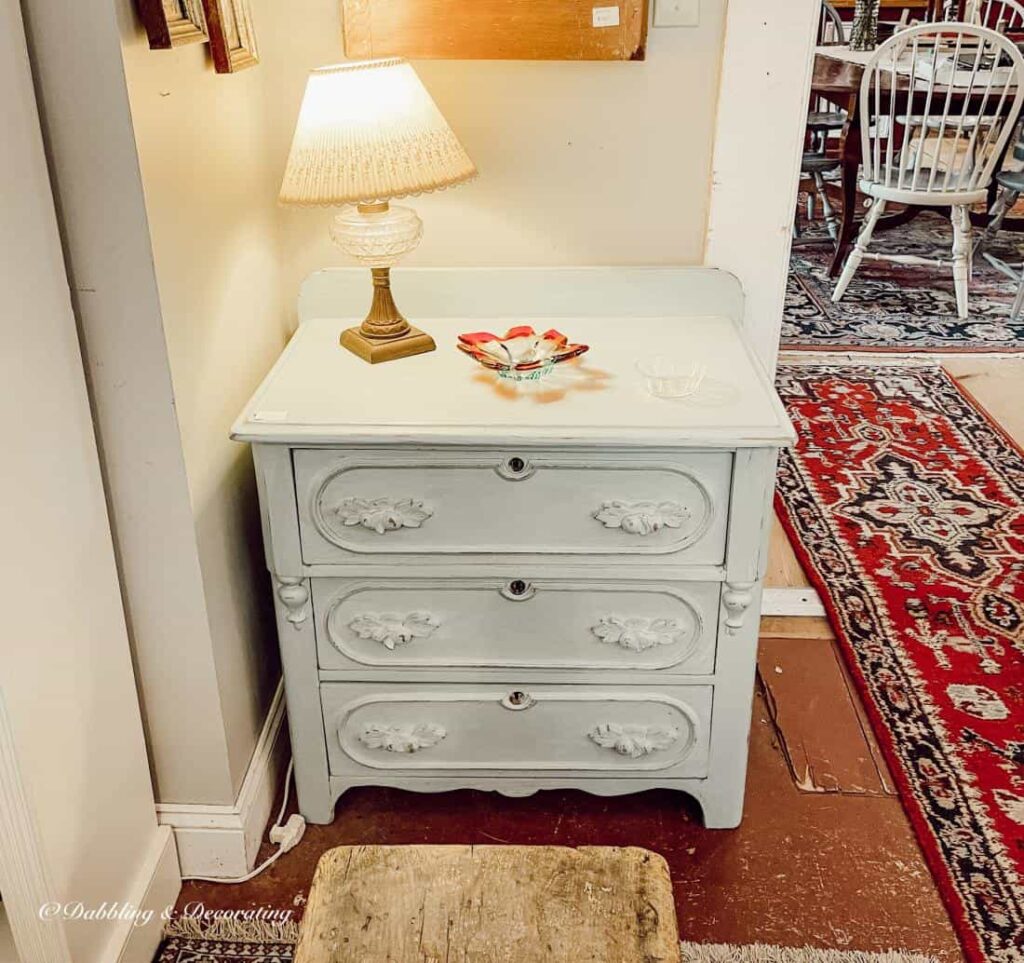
(755, 172)
(25, 882)
(755, 169)
(43, 696)
(24, 877)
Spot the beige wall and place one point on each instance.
(580, 163)
(65, 667)
(210, 187)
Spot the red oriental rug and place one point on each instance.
(905, 504)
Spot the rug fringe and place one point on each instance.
(763, 953)
(862, 359)
(238, 929)
(232, 928)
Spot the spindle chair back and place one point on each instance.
(938, 102)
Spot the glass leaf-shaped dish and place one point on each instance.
(522, 352)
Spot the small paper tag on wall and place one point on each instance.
(605, 16)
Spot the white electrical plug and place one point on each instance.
(288, 835)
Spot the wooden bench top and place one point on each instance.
(489, 904)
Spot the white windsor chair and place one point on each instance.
(1003, 16)
(937, 104)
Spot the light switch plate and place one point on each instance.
(676, 13)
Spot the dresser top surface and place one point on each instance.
(319, 393)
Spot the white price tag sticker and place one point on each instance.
(605, 16)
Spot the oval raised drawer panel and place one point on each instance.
(488, 728)
(363, 503)
(518, 623)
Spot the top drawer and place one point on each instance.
(360, 503)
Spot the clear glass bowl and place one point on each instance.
(667, 378)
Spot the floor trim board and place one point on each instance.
(222, 841)
(791, 601)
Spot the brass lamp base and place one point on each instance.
(385, 335)
(374, 350)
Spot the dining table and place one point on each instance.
(836, 78)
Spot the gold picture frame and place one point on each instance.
(173, 23)
(232, 37)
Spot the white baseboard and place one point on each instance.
(791, 601)
(222, 841)
(155, 893)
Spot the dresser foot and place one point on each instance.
(721, 809)
(320, 809)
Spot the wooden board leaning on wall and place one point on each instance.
(496, 29)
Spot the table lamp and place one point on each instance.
(368, 132)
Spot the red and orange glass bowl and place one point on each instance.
(522, 354)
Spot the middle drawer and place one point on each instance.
(547, 623)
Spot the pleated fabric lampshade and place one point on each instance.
(369, 131)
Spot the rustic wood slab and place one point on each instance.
(488, 904)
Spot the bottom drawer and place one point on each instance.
(436, 729)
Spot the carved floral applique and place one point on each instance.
(642, 518)
(633, 741)
(638, 634)
(408, 738)
(382, 515)
(391, 630)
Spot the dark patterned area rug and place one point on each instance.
(895, 307)
(183, 949)
(905, 505)
(232, 937)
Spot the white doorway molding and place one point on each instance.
(755, 168)
(24, 877)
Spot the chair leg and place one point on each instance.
(959, 216)
(1018, 301)
(961, 220)
(1004, 203)
(831, 223)
(857, 254)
